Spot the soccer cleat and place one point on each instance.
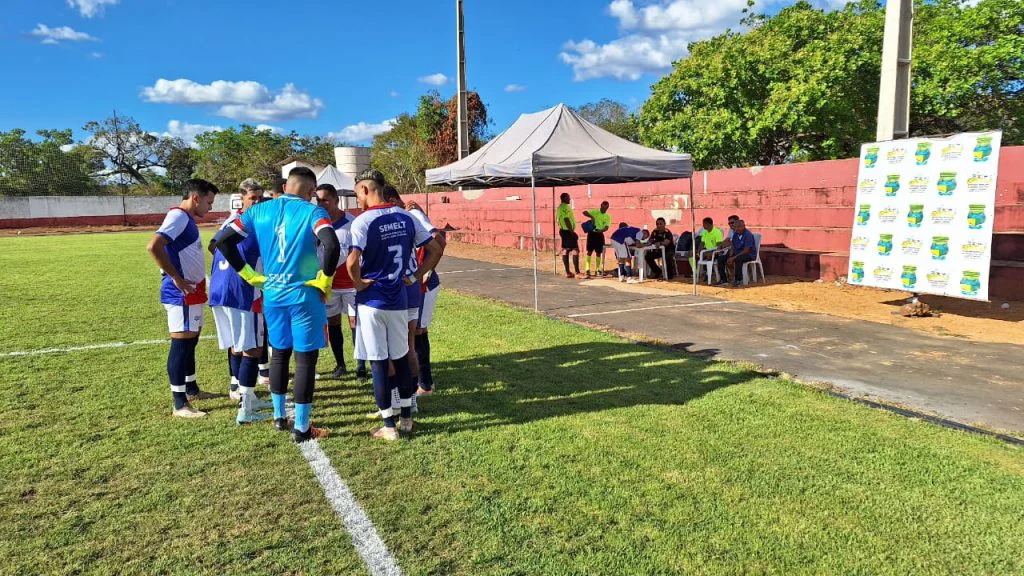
(385, 433)
(235, 395)
(572, 276)
(250, 417)
(372, 415)
(405, 425)
(339, 373)
(258, 404)
(282, 424)
(622, 278)
(313, 433)
(187, 411)
(421, 391)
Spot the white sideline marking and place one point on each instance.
(89, 347)
(481, 270)
(647, 308)
(367, 542)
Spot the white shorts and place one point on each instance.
(621, 250)
(414, 314)
(238, 329)
(427, 308)
(381, 334)
(182, 318)
(342, 302)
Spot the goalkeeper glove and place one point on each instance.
(322, 282)
(251, 276)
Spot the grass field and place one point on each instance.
(550, 449)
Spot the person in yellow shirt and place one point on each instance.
(710, 239)
(600, 222)
(567, 232)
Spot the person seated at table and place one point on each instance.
(661, 237)
(744, 250)
(622, 239)
(709, 238)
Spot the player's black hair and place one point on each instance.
(659, 219)
(565, 197)
(733, 217)
(329, 188)
(391, 194)
(372, 174)
(278, 187)
(708, 220)
(623, 224)
(198, 186)
(304, 173)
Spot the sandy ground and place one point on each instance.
(981, 321)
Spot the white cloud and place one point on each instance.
(515, 88)
(56, 35)
(361, 132)
(434, 79)
(269, 128)
(656, 34)
(90, 8)
(186, 131)
(182, 91)
(394, 94)
(95, 55)
(244, 101)
(67, 147)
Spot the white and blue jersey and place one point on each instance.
(627, 235)
(226, 287)
(387, 236)
(432, 282)
(185, 251)
(285, 231)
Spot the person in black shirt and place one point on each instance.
(661, 236)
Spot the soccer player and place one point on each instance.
(295, 286)
(567, 232)
(238, 313)
(178, 251)
(595, 238)
(622, 239)
(343, 294)
(431, 288)
(383, 238)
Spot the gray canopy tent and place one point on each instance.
(556, 147)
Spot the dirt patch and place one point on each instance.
(964, 319)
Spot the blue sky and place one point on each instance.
(336, 68)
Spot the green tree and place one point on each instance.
(226, 157)
(613, 116)
(128, 151)
(401, 155)
(53, 165)
(181, 164)
(803, 84)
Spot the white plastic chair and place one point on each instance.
(754, 264)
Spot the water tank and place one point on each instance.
(352, 160)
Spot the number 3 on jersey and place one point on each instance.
(397, 251)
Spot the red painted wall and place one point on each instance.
(803, 211)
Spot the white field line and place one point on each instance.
(480, 270)
(647, 308)
(367, 542)
(67, 349)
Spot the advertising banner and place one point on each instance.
(923, 217)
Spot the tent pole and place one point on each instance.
(536, 290)
(554, 233)
(693, 238)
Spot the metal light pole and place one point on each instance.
(463, 125)
(894, 88)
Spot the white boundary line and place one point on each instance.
(647, 308)
(367, 542)
(90, 347)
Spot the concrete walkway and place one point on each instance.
(968, 382)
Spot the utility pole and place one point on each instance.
(894, 88)
(463, 125)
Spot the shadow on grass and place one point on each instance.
(515, 388)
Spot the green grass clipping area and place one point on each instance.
(549, 449)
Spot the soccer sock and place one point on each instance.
(576, 262)
(629, 271)
(279, 363)
(302, 412)
(406, 385)
(235, 363)
(381, 391)
(426, 379)
(191, 386)
(622, 270)
(599, 268)
(265, 359)
(588, 262)
(565, 262)
(360, 366)
(334, 334)
(176, 371)
(248, 368)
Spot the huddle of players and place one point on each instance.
(285, 259)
